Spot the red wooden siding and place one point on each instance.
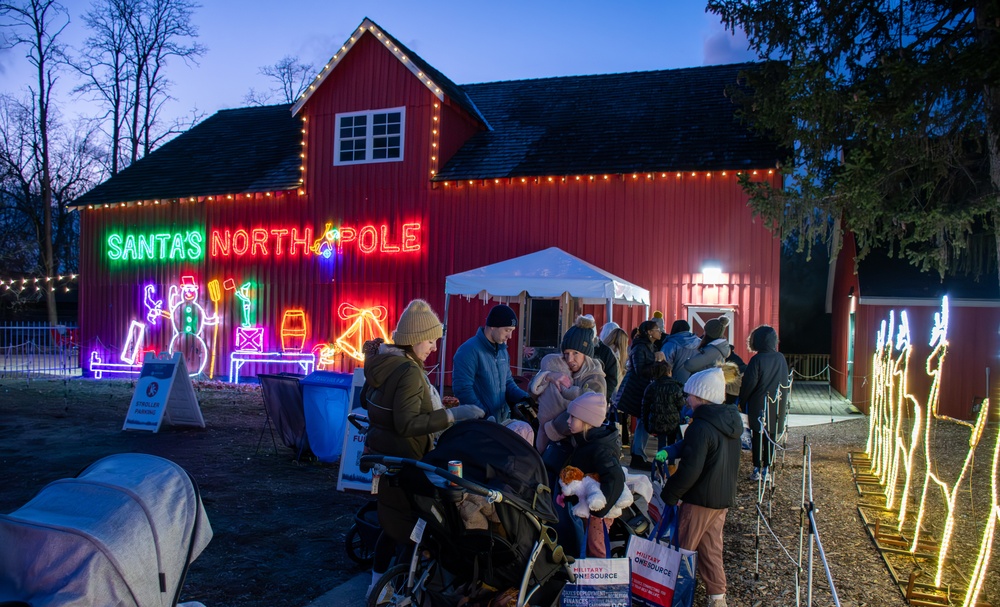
(973, 335)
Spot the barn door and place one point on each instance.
(698, 316)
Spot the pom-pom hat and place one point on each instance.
(716, 327)
(589, 407)
(581, 335)
(417, 323)
(710, 384)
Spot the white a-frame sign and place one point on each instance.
(163, 393)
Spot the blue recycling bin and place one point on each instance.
(326, 401)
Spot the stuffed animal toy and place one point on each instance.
(586, 488)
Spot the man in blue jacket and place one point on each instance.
(482, 367)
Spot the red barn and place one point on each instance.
(285, 235)
(860, 300)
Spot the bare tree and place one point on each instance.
(123, 65)
(158, 31)
(76, 165)
(104, 65)
(289, 79)
(36, 26)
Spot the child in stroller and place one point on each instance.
(517, 553)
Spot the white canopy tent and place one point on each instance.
(551, 272)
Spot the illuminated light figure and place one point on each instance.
(325, 355)
(154, 307)
(294, 329)
(133, 343)
(367, 325)
(188, 319)
(327, 244)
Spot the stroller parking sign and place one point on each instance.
(163, 392)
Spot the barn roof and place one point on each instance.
(254, 149)
(667, 120)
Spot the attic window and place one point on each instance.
(372, 136)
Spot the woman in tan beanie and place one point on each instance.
(405, 415)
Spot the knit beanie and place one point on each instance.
(417, 323)
(679, 326)
(590, 407)
(607, 329)
(658, 319)
(709, 384)
(716, 327)
(580, 336)
(501, 316)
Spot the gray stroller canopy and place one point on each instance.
(121, 534)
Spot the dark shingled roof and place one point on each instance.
(254, 149)
(669, 120)
(615, 123)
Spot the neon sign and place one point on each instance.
(290, 241)
(367, 325)
(156, 246)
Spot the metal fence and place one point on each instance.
(39, 350)
(810, 367)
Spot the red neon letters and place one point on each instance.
(282, 241)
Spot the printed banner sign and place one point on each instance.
(599, 583)
(350, 475)
(163, 393)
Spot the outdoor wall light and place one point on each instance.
(711, 272)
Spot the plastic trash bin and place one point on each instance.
(326, 400)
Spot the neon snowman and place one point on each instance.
(189, 318)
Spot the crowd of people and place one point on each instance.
(606, 390)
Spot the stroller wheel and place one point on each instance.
(357, 548)
(390, 591)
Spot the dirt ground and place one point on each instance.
(280, 525)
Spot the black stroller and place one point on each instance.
(517, 554)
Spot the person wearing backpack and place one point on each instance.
(661, 405)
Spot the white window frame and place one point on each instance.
(369, 136)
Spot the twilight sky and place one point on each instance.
(467, 41)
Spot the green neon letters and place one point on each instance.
(156, 246)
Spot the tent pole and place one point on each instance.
(610, 313)
(444, 345)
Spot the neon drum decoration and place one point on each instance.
(293, 331)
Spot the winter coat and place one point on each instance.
(482, 377)
(553, 420)
(661, 406)
(677, 348)
(641, 356)
(710, 459)
(609, 361)
(712, 355)
(401, 415)
(766, 372)
(597, 450)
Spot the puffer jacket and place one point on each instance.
(641, 356)
(677, 349)
(402, 418)
(661, 406)
(597, 450)
(710, 459)
(712, 355)
(554, 422)
(766, 372)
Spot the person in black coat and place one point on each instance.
(764, 386)
(641, 356)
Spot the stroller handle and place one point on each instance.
(389, 461)
(357, 421)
